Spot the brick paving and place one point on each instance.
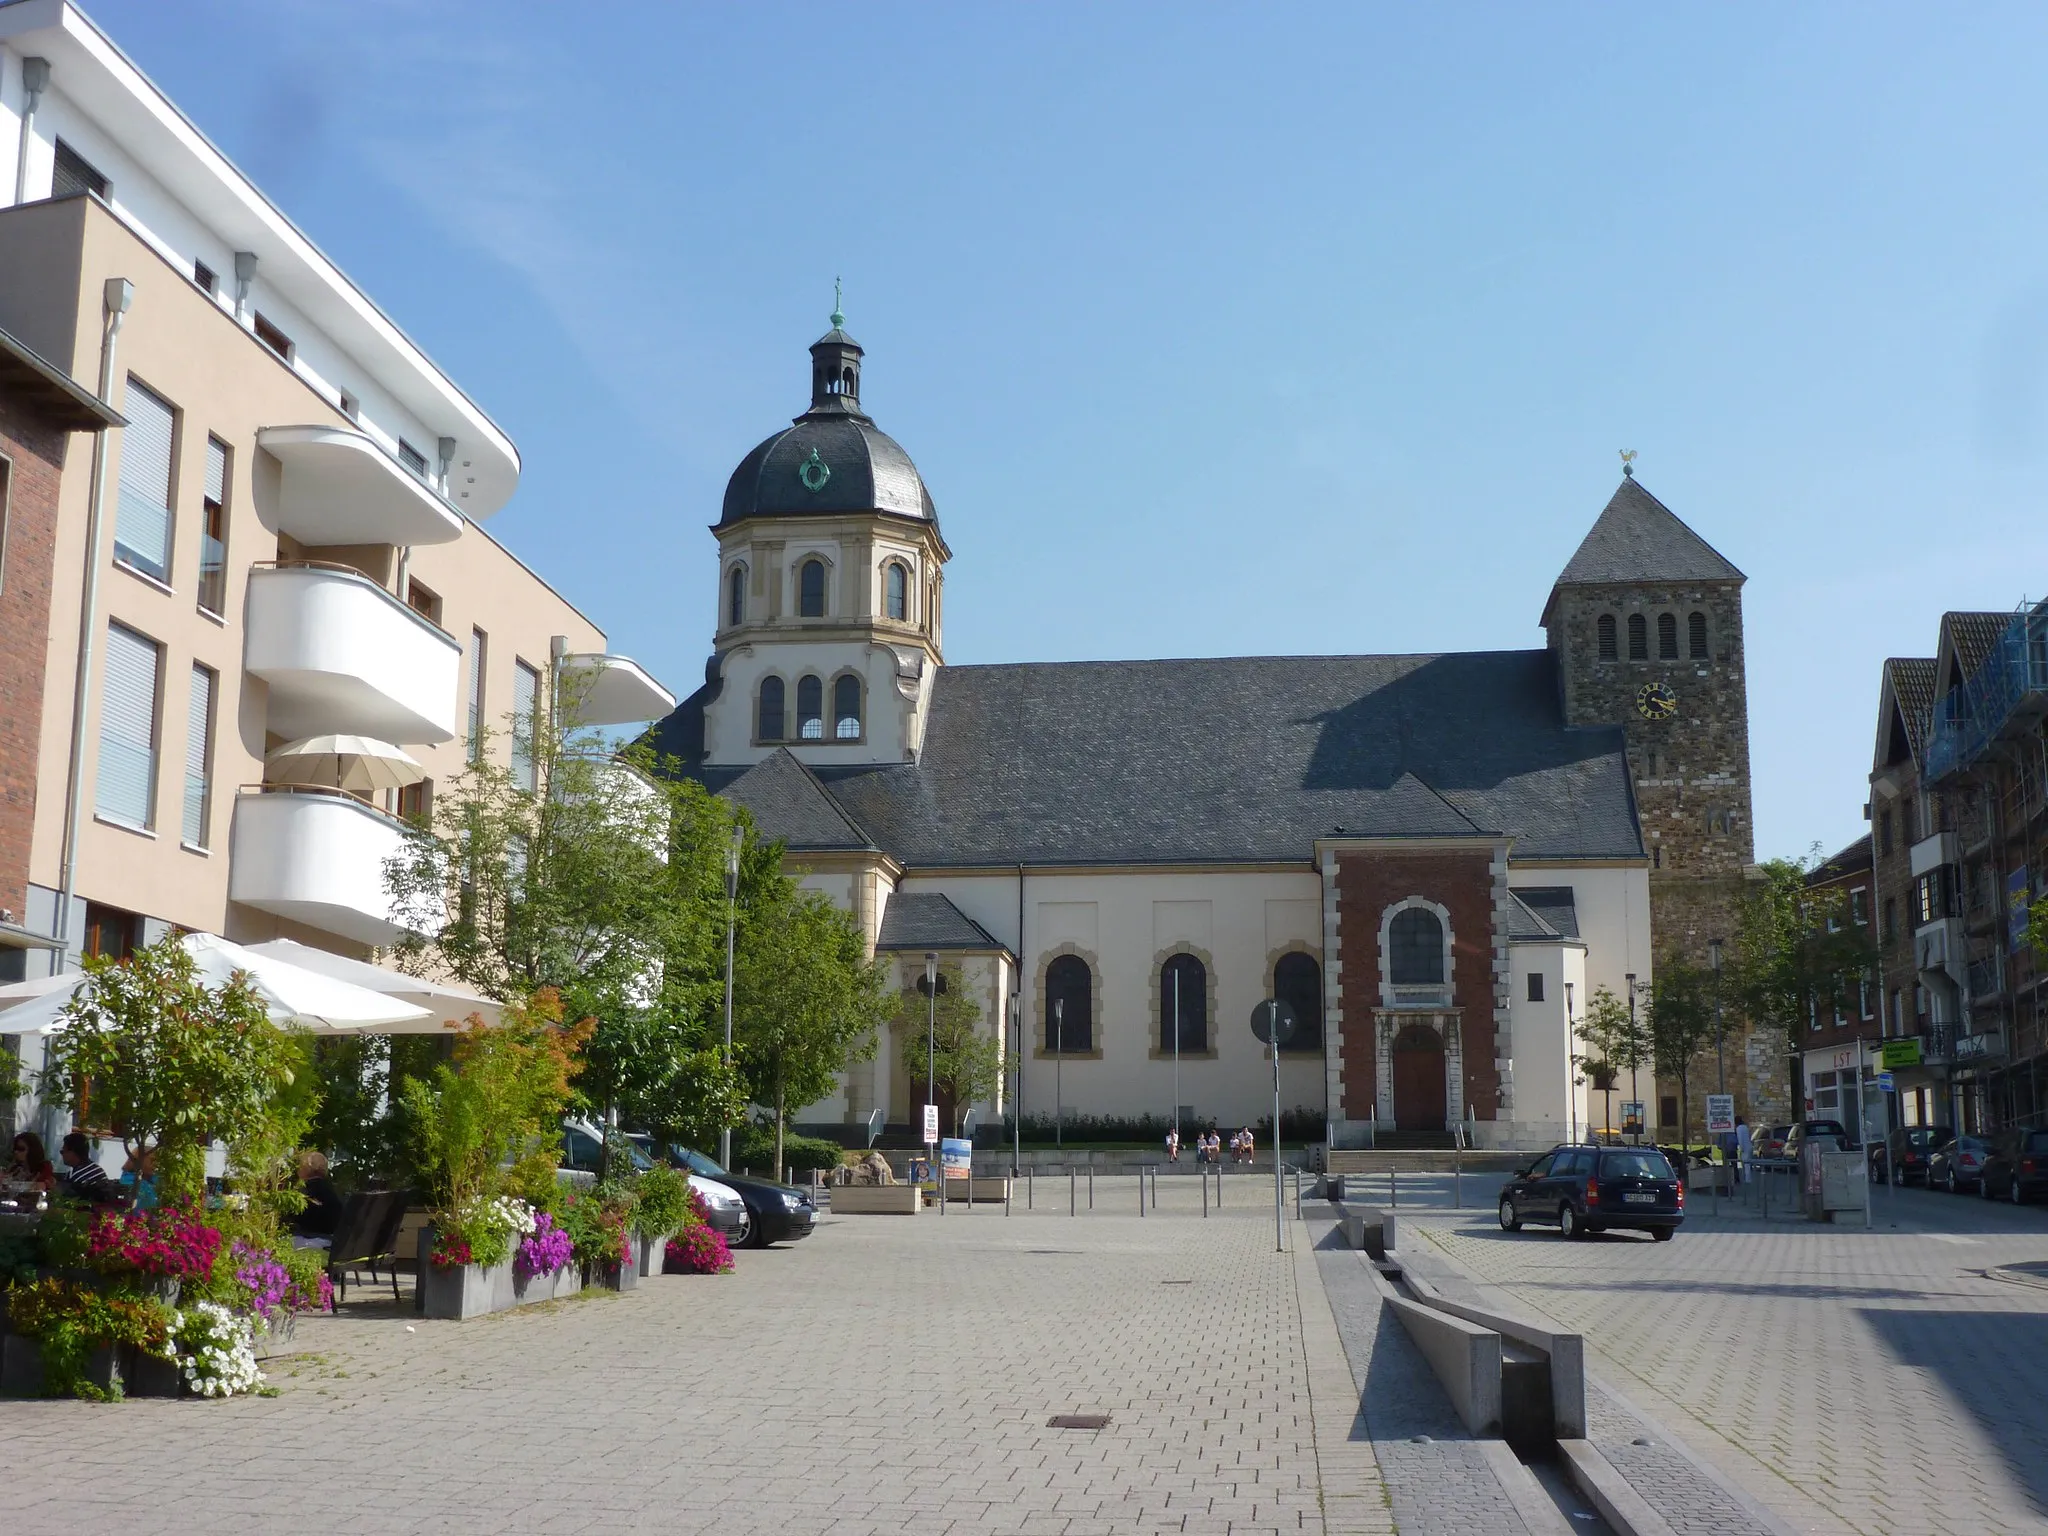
(1850, 1381)
(885, 1376)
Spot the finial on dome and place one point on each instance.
(838, 318)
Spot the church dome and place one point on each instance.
(833, 458)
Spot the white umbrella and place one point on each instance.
(293, 994)
(448, 1006)
(361, 764)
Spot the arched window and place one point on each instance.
(1696, 636)
(810, 709)
(846, 708)
(810, 590)
(897, 582)
(846, 382)
(1638, 638)
(1609, 650)
(1298, 982)
(1667, 637)
(1415, 948)
(771, 709)
(1069, 1005)
(736, 595)
(1184, 1004)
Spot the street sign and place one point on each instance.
(1895, 1054)
(1885, 1083)
(931, 1125)
(1273, 1021)
(1720, 1114)
(1631, 1117)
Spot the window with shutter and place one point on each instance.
(198, 756)
(73, 173)
(126, 787)
(142, 520)
(525, 707)
(213, 535)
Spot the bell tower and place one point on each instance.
(830, 586)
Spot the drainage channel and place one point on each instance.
(1554, 1480)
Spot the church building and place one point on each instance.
(1434, 860)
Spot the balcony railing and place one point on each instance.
(1938, 1044)
(342, 654)
(2010, 687)
(318, 857)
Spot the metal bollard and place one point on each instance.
(1091, 1181)
(1205, 1191)
(1219, 1186)
(1030, 1190)
(1141, 1190)
(1006, 1193)
(1393, 1189)
(1457, 1181)
(1071, 1187)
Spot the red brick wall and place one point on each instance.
(1462, 883)
(37, 454)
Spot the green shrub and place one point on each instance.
(753, 1147)
(664, 1199)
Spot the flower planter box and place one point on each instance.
(623, 1276)
(473, 1291)
(530, 1290)
(649, 1251)
(876, 1200)
(146, 1376)
(21, 1367)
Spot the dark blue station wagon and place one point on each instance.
(1589, 1188)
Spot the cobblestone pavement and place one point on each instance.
(886, 1375)
(1875, 1382)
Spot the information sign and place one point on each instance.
(931, 1125)
(1720, 1114)
(1631, 1117)
(1885, 1083)
(1896, 1054)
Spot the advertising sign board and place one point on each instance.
(1720, 1114)
(931, 1124)
(956, 1158)
(1631, 1117)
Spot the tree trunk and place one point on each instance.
(778, 1119)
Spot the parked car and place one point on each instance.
(1913, 1146)
(2016, 1168)
(1959, 1165)
(1586, 1188)
(723, 1208)
(1767, 1143)
(1828, 1132)
(776, 1213)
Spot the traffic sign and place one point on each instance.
(1885, 1083)
(1273, 1022)
(931, 1125)
(1720, 1114)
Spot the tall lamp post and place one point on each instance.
(1635, 1056)
(1176, 1056)
(1571, 1044)
(1017, 1097)
(1720, 1032)
(732, 896)
(1059, 1062)
(931, 1028)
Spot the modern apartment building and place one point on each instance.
(281, 537)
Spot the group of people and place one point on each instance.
(1209, 1146)
(30, 1174)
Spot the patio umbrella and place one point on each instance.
(362, 765)
(293, 994)
(447, 1005)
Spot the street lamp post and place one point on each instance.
(1176, 1055)
(1059, 1062)
(931, 1028)
(1571, 1049)
(1017, 1098)
(1635, 1054)
(1720, 1031)
(732, 896)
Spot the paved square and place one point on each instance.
(887, 1375)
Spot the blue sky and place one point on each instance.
(1266, 330)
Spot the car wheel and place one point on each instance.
(1952, 1181)
(1662, 1234)
(742, 1235)
(757, 1232)
(1568, 1222)
(1509, 1221)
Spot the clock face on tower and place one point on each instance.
(1656, 701)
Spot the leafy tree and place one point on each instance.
(148, 1047)
(1620, 1039)
(579, 868)
(1681, 1024)
(1798, 949)
(807, 999)
(965, 1058)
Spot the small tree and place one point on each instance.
(1681, 1024)
(1798, 949)
(965, 1059)
(1620, 1040)
(1601, 1076)
(807, 998)
(150, 1049)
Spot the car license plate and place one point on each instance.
(1634, 1197)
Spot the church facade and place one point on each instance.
(1433, 860)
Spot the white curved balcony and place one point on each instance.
(342, 654)
(317, 857)
(339, 487)
(611, 690)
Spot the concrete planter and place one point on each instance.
(876, 1200)
(649, 1251)
(146, 1376)
(21, 1367)
(531, 1290)
(623, 1276)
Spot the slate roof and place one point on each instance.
(1237, 759)
(1553, 906)
(1636, 538)
(1912, 682)
(1851, 860)
(919, 921)
(1973, 635)
(787, 801)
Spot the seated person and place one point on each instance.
(83, 1176)
(323, 1201)
(138, 1175)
